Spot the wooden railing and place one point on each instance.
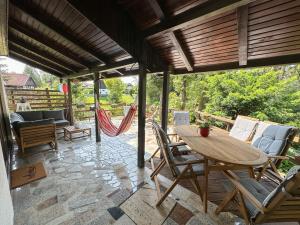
(39, 99)
(228, 123)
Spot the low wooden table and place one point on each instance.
(69, 132)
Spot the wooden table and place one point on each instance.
(227, 152)
(69, 131)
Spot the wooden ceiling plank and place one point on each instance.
(242, 17)
(109, 67)
(3, 27)
(40, 52)
(187, 62)
(52, 25)
(30, 62)
(157, 9)
(117, 24)
(194, 15)
(46, 42)
(35, 58)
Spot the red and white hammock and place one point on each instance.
(106, 125)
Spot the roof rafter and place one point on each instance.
(102, 69)
(51, 24)
(194, 15)
(35, 58)
(3, 27)
(160, 14)
(45, 55)
(117, 24)
(46, 41)
(32, 63)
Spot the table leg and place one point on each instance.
(251, 172)
(205, 183)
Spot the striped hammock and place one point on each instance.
(106, 125)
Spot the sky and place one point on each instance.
(18, 67)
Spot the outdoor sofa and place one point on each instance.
(32, 128)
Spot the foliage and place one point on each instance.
(154, 86)
(116, 89)
(204, 124)
(127, 99)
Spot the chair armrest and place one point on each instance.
(177, 144)
(235, 180)
(189, 162)
(278, 157)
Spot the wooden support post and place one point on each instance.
(48, 98)
(141, 116)
(70, 107)
(165, 101)
(97, 99)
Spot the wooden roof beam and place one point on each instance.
(3, 27)
(118, 25)
(102, 69)
(194, 15)
(45, 55)
(242, 18)
(53, 25)
(187, 62)
(46, 41)
(32, 63)
(160, 14)
(36, 59)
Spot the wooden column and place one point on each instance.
(165, 101)
(96, 99)
(70, 102)
(242, 14)
(141, 116)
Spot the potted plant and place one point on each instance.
(204, 129)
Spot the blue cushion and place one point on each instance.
(16, 117)
(274, 139)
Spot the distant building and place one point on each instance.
(16, 80)
(103, 89)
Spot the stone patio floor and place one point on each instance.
(87, 182)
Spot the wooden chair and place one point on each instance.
(243, 128)
(182, 167)
(274, 140)
(258, 205)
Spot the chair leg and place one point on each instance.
(258, 177)
(225, 202)
(157, 169)
(205, 184)
(243, 209)
(167, 192)
(196, 185)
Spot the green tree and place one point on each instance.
(154, 86)
(116, 89)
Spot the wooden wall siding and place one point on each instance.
(274, 28)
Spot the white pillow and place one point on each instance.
(243, 128)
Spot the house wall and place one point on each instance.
(6, 207)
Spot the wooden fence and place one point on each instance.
(39, 99)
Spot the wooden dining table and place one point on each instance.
(221, 152)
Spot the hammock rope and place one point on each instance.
(106, 125)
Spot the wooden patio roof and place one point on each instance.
(76, 38)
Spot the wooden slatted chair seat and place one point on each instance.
(258, 205)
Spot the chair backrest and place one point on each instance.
(283, 203)
(262, 125)
(243, 128)
(181, 118)
(163, 143)
(275, 139)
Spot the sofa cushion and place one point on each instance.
(61, 122)
(16, 117)
(31, 115)
(19, 125)
(55, 114)
(273, 139)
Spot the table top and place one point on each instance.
(221, 147)
(76, 129)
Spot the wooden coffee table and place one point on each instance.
(83, 131)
